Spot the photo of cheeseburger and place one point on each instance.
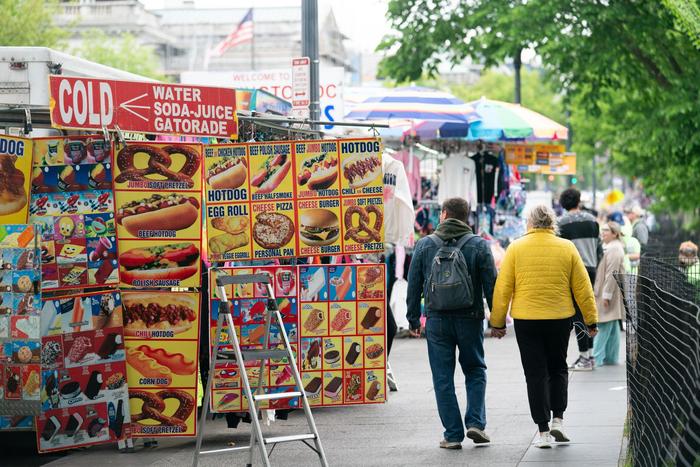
(318, 227)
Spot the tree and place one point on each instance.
(628, 72)
(122, 52)
(30, 23)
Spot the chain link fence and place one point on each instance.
(663, 362)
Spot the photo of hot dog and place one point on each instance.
(172, 313)
(271, 173)
(159, 263)
(227, 173)
(319, 172)
(158, 212)
(361, 169)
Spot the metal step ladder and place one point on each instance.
(239, 356)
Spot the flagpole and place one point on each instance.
(252, 42)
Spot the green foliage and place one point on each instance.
(30, 23)
(121, 52)
(628, 73)
(687, 15)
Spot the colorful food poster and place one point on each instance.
(299, 198)
(249, 302)
(162, 342)
(317, 169)
(84, 394)
(15, 169)
(17, 423)
(227, 196)
(361, 167)
(335, 316)
(158, 191)
(20, 303)
(72, 200)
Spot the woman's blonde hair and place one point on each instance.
(542, 217)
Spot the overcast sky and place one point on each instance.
(363, 21)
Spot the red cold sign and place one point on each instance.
(84, 103)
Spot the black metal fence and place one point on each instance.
(663, 363)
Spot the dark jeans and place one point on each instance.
(445, 334)
(543, 345)
(585, 342)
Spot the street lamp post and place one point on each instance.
(309, 48)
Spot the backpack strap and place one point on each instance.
(464, 240)
(436, 240)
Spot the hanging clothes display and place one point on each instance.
(458, 179)
(487, 179)
(412, 165)
(398, 206)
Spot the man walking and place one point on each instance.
(640, 230)
(454, 270)
(582, 229)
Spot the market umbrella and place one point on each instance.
(434, 129)
(500, 121)
(413, 103)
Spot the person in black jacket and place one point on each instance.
(461, 329)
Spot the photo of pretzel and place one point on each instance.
(159, 163)
(176, 362)
(154, 405)
(363, 232)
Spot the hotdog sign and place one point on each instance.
(293, 198)
(84, 103)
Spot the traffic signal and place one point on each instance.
(573, 180)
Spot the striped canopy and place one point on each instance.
(498, 121)
(413, 103)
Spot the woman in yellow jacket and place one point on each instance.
(537, 277)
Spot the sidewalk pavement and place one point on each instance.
(406, 430)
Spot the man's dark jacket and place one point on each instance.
(482, 270)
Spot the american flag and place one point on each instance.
(242, 34)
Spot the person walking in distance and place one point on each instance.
(608, 296)
(582, 229)
(540, 277)
(640, 230)
(453, 269)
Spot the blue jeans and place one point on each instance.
(444, 335)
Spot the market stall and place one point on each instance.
(104, 346)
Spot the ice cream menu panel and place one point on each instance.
(335, 319)
(293, 198)
(73, 202)
(20, 302)
(162, 348)
(158, 191)
(84, 394)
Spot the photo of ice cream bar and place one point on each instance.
(353, 353)
(373, 391)
(313, 388)
(333, 388)
(372, 317)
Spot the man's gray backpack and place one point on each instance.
(450, 285)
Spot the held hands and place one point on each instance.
(414, 332)
(499, 333)
(592, 331)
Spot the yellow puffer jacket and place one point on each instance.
(539, 272)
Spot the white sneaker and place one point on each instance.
(544, 441)
(478, 436)
(582, 364)
(557, 431)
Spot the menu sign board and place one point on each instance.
(72, 200)
(335, 318)
(15, 167)
(84, 396)
(20, 302)
(296, 198)
(162, 342)
(158, 214)
(548, 159)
